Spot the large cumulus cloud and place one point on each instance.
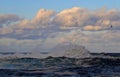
(73, 17)
(30, 29)
(47, 22)
(73, 25)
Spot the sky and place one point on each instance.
(28, 9)
(28, 25)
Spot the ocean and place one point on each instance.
(96, 65)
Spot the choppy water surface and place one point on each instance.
(60, 67)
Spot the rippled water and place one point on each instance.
(60, 67)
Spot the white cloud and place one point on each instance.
(73, 17)
(47, 22)
(92, 28)
(74, 25)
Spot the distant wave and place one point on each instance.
(67, 50)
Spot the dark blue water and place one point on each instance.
(60, 67)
